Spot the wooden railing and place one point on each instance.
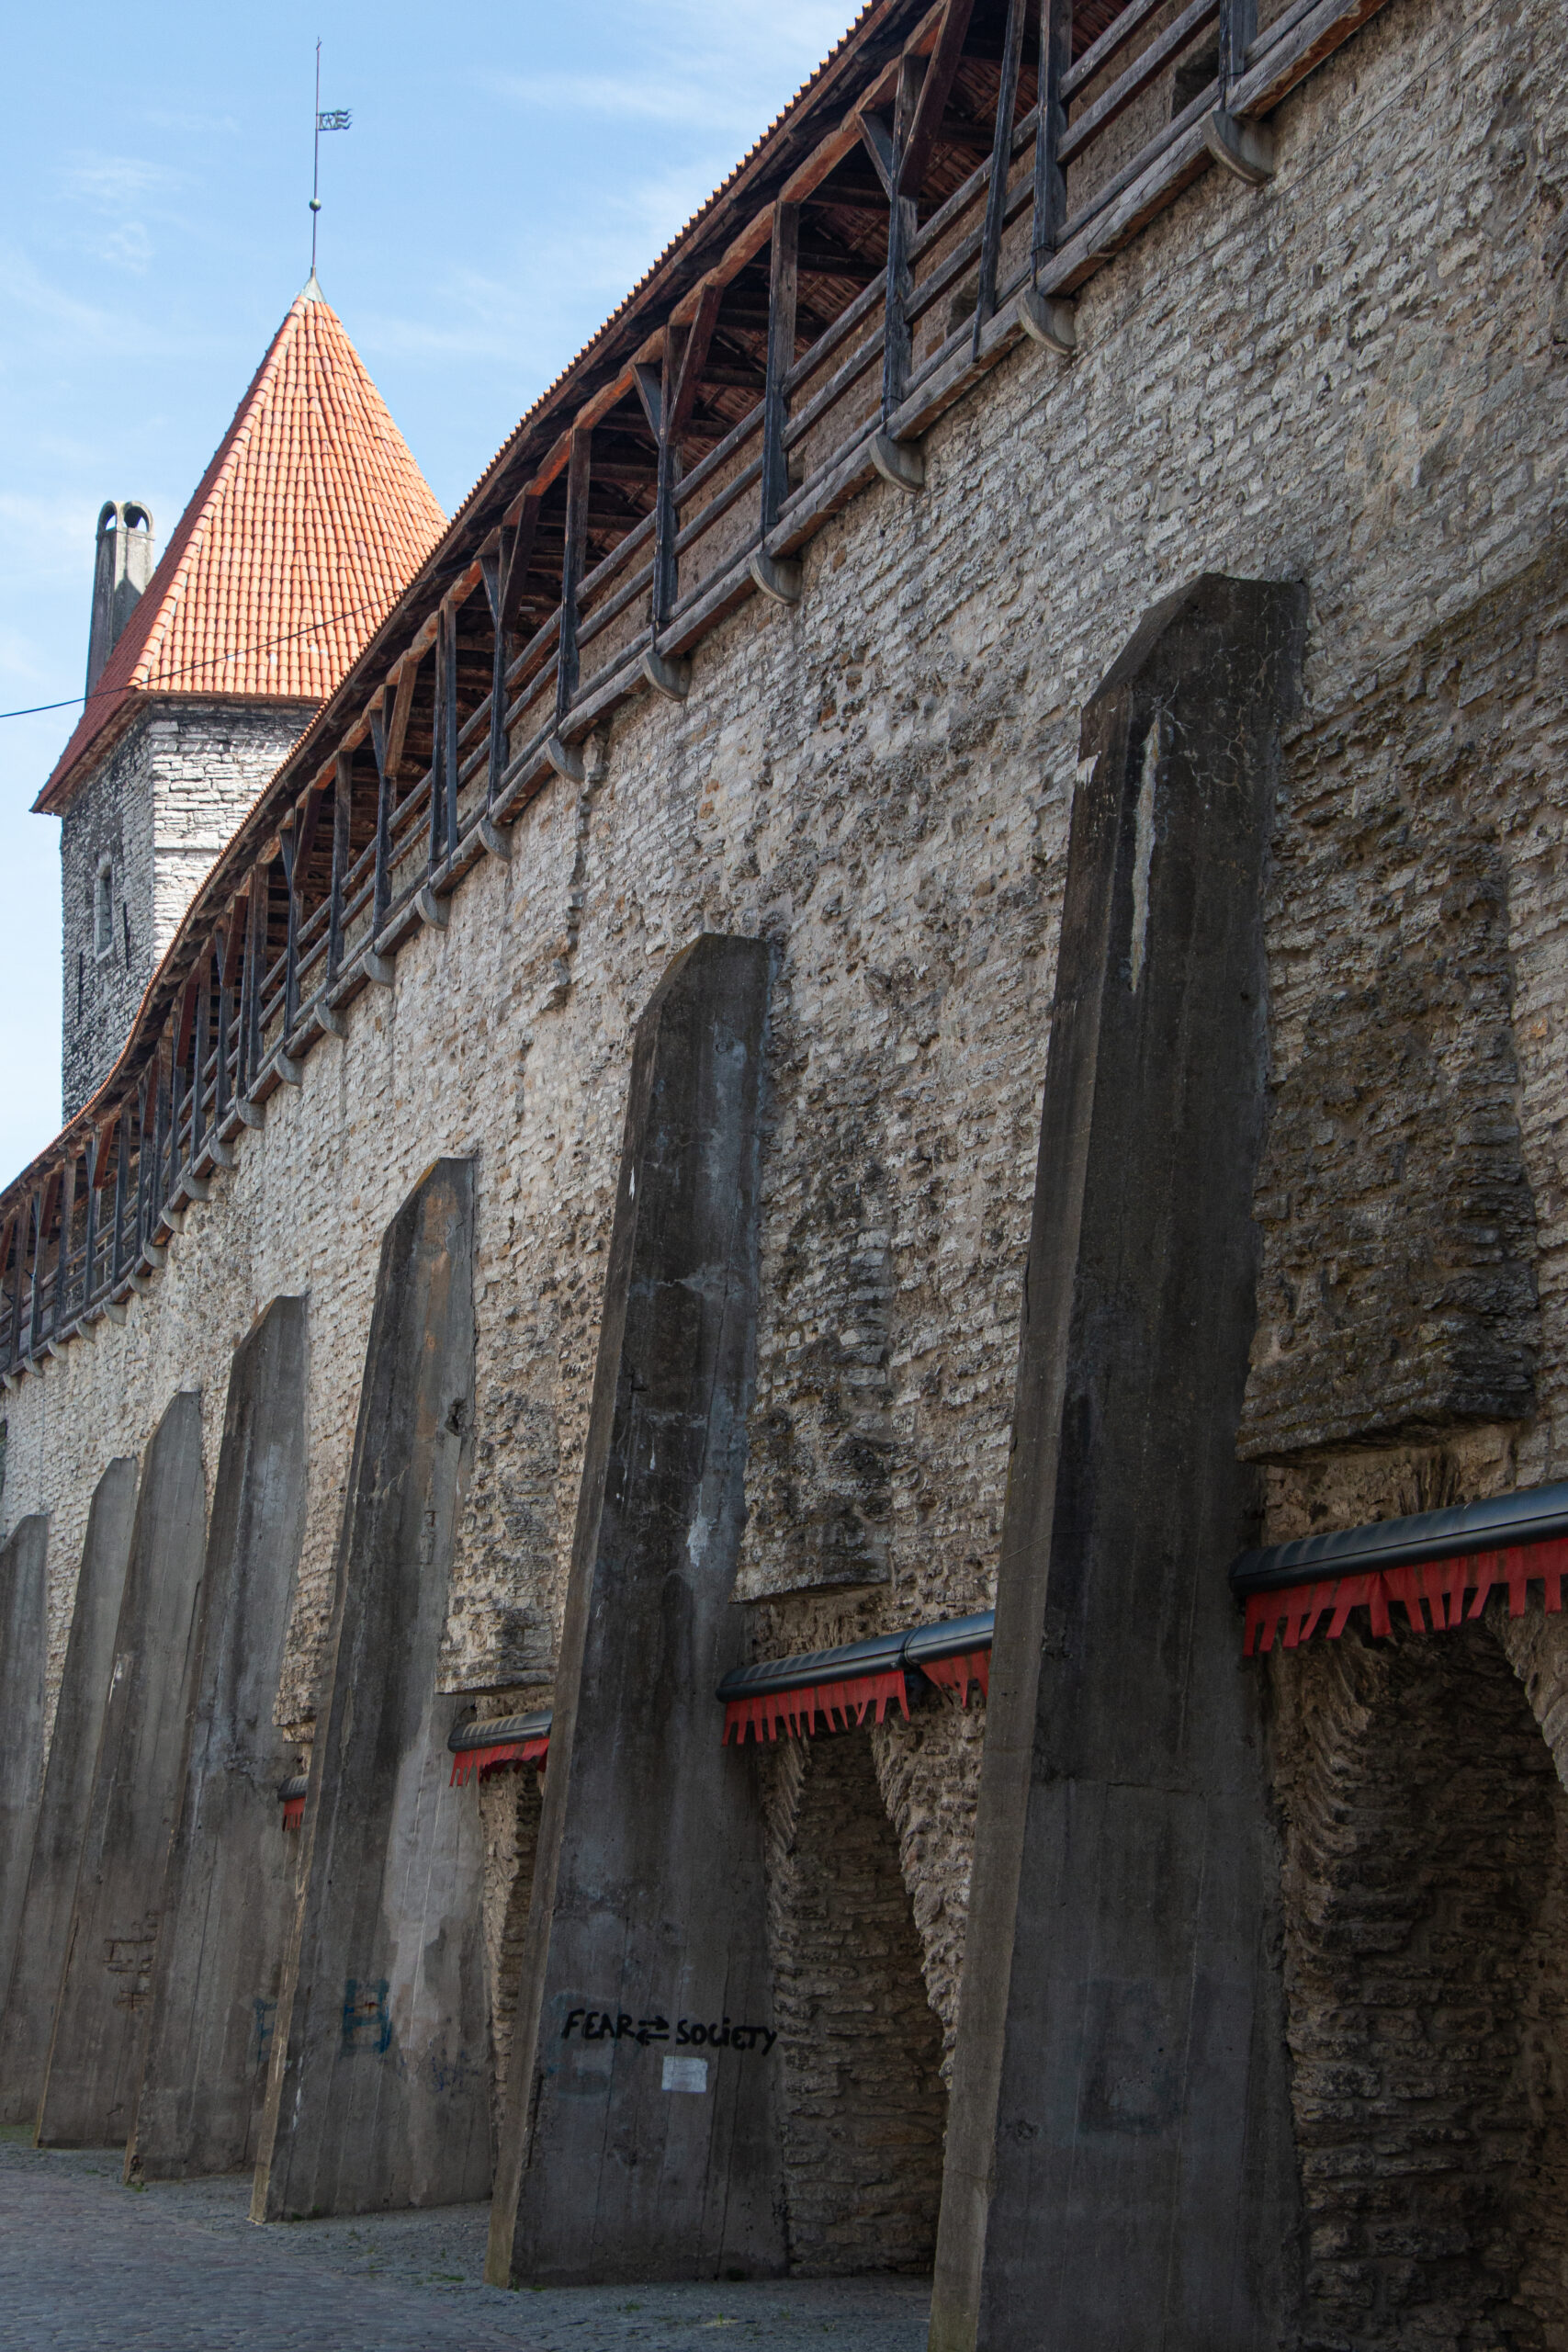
(987, 169)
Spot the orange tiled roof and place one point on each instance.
(306, 528)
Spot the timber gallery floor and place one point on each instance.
(86, 2263)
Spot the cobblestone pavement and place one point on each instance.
(87, 2264)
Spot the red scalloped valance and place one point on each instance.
(1421, 1587)
(796, 1711)
(486, 1760)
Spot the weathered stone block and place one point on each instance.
(1120, 2168)
(94, 2060)
(640, 2137)
(227, 1907)
(379, 2088)
(44, 1929)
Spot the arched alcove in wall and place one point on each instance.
(510, 1801)
(1426, 1960)
(862, 2104)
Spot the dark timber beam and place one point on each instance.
(926, 128)
(1120, 2166)
(44, 1927)
(640, 2153)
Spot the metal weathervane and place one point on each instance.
(334, 119)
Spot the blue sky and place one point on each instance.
(511, 173)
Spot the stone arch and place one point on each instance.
(862, 2102)
(1425, 1851)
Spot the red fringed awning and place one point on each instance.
(1422, 1587)
(293, 1812)
(796, 1711)
(958, 1673)
(486, 1760)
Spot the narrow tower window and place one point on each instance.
(104, 924)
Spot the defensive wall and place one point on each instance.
(1347, 379)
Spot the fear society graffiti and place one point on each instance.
(607, 2025)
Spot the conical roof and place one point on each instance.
(308, 525)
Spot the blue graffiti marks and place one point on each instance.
(264, 2015)
(453, 2075)
(367, 2020)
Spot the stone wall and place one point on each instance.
(1351, 378)
(159, 805)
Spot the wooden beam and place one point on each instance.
(1050, 180)
(1001, 157)
(343, 819)
(649, 391)
(902, 222)
(406, 672)
(940, 73)
(781, 284)
(579, 473)
(877, 136)
(693, 354)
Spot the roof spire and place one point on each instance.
(336, 119)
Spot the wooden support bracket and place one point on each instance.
(379, 968)
(291, 1073)
(1048, 321)
(497, 839)
(670, 678)
(249, 1112)
(329, 1018)
(902, 463)
(1246, 149)
(221, 1154)
(779, 577)
(567, 761)
(432, 910)
(114, 1310)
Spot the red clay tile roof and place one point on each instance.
(307, 526)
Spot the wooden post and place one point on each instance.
(381, 887)
(577, 480)
(63, 1254)
(666, 519)
(446, 719)
(17, 1231)
(494, 569)
(903, 218)
(221, 945)
(1238, 23)
(90, 1239)
(203, 1025)
(1050, 181)
(1001, 158)
(291, 961)
(35, 1301)
(783, 286)
(143, 1164)
(343, 816)
(122, 1187)
(254, 974)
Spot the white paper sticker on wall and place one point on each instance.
(685, 2074)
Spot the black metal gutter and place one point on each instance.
(1529, 1515)
(498, 1732)
(882, 1654)
(295, 1787)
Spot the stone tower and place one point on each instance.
(309, 523)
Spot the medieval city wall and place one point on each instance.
(163, 799)
(1351, 378)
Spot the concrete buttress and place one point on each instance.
(94, 2060)
(641, 2138)
(1119, 2168)
(228, 1903)
(24, 1633)
(380, 2089)
(44, 1928)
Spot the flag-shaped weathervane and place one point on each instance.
(334, 119)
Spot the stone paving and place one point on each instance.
(87, 2264)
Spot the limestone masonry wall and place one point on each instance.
(162, 801)
(1353, 378)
